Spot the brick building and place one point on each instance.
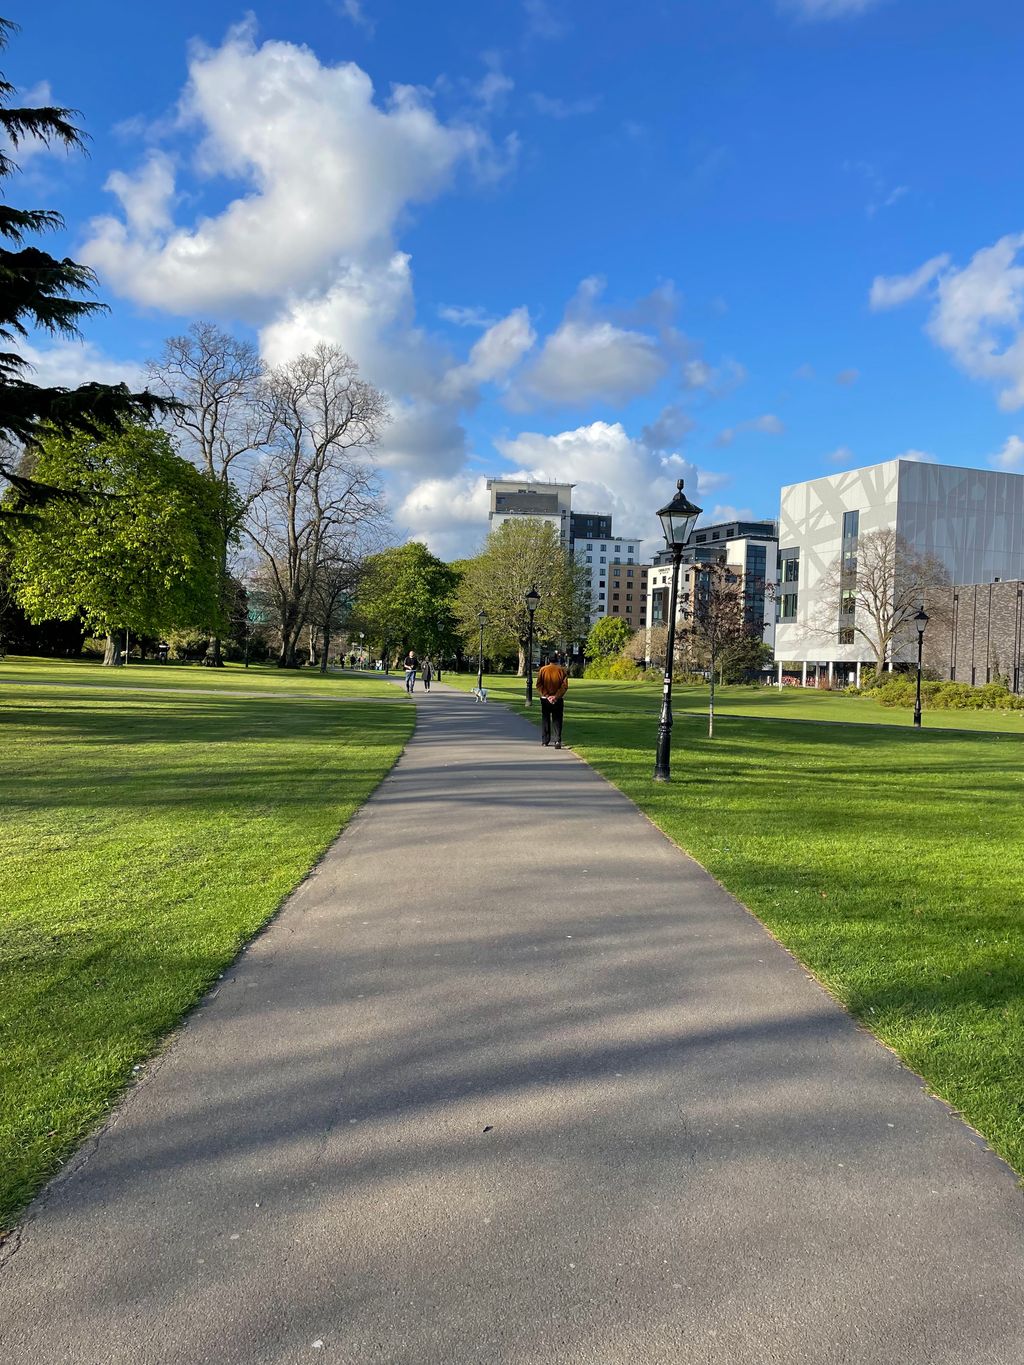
(977, 634)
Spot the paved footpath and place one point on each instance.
(511, 1081)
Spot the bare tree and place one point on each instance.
(318, 480)
(217, 380)
(716, 611)
(333, 590)
(874, 593)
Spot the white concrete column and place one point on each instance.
(780, 673)
(831, 672)
(857, 683)
(803, 674)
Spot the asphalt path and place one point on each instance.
(512, 1080)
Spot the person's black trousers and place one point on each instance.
(551, 719)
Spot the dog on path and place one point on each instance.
(480, 693)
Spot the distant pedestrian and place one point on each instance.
(411, 665)
(552, 684)
(426, 673)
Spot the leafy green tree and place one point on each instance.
(520, 554)
(137, 546)
(745, 657)
(406, 600)
(608, 636)
(39, 291)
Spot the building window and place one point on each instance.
(604, 547)
(702, 538)
(629, 597)
(851, 525)
(846, 635)
(601, 583)
(787, 606)
(629, 573)
(604, 559)
(789, 566)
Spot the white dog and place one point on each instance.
(480, 693)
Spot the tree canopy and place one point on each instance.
(40, 291)
(608, 636)
(524, 553)
(136, 549)
(406, 600)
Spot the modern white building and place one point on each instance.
(972, 520)
(547, 502)
(618, 580)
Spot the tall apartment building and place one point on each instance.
(971, 520)
(589, 526)
(618, 580)
(750, 548)
(547, 502)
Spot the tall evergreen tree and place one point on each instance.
(40, 291)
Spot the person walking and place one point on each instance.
(426, 673)
(552, 684)
(411, 665)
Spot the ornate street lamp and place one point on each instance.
(678, 519)
(532, 603)
(481, 620)
(920, 621)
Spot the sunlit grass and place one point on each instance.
(889, 861)
(143, 840)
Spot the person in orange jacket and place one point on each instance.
(552, 684)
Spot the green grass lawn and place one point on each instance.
(233, 677)
(890, 862)
(144, 839)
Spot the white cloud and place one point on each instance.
(1011, 456)
(842, 455)
(465, 317)
(497, 352)
(493, 89)
(668, 429)
(354, 12)
(847, 377)
(66, 364)
(326, 170)
(828, 9)
(977, 314)
(725, 511)
(422, 437)
(449, 514)
(613, 472)
(714, 380)
(979, 318)
(917, 457)
(767, 423)
(584, 360)
(543, 21)
(554, 107)
(889, 291)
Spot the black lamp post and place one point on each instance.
(532, 603)
(920, 621)
(481, 618)
(678, 519)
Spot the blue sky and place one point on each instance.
(745, 241)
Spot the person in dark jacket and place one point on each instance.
(411, 665)
(426, 673)
(552, 684)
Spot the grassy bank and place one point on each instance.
(889, 861)
(144, 839)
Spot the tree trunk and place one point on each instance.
(213, 657)
(112, 656)
(326, 649)
(522, 662)
(711, 707)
